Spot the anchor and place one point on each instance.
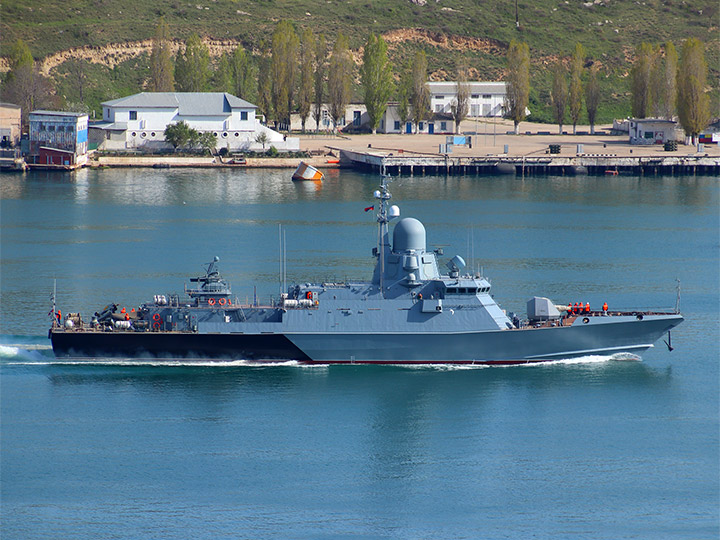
(669, 342)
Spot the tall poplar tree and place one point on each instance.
(377, 79)
(245, 75)
(461, 103)
(404, 93)
(305, 92)
(641, 87)
(420, 96)
(669, 82)
(692, 101)
(339, 78)
(162, 76)
(592, 97)
(577, 66)
(319, 76)
(518, 82)
(283, 68)
(559, 94)
(192, 66)
(264, 82)
(223, 78)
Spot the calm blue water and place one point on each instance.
(585, 449)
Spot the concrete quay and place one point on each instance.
(495, 151)
(412, 164)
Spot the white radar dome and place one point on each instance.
(408, 234)
(394, 211)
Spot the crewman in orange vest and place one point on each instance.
(569, 311)
(605, 308)
(576, 308)
(587, 307)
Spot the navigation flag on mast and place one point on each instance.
(370, 208)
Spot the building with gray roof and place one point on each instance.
(138, 122)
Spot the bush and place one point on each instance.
(272, 152)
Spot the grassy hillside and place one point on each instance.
(448, 30)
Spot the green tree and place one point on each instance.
(559, 94)
(518, 82)
(179, 134)
(668, 83)
(20, 55)
(319, 76)
(207, 141)
(192, 66)
(339, 78)
(404, 93)
(305, 93)
(377, 79)
(577, 66)
(224, 78)
(420, 97)
(461, 103)
(245, 75)
(262, 138)
(693, 103)
(592, 97)
(264, 100)
(25, 86)
(162, 78)
(640, 80)
(285, 44)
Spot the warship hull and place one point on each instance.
(599, 336)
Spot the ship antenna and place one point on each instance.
(677, 298)
(383, 195)
(54, 311)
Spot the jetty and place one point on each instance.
(400, 162)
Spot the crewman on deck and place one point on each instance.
(569, 311)
(575, 308)
(605, 308)
(59, 316)
(587, 307)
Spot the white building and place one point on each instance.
(438, 123)
(355, 119)
(486, 98)
(139, 121)
(652, 131)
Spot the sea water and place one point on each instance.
(589, 448)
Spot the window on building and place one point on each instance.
(243, 115)
(649, 134)
(486, 96)
(443, 126)
(133, 115)
(475, 96)
(439, 97)
(396, 125)
(421, 126)
(51, 128)
(438, 108)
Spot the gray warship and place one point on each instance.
(409, 313)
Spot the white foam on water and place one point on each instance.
(22, 354)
